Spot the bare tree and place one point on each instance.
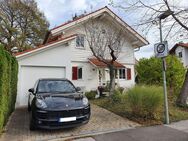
(146, 16)
(174, 27)
(105, 42)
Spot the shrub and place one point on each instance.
(150, 73)
(145, 100)
(117, 96)
(8, 85)
(121, 89)
(90, 94)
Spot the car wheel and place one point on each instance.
(32, 125)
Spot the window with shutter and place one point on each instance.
(122, 74)
(128, 74)
(77, 73)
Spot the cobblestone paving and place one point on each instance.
(101, 121)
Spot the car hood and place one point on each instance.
(62, 101)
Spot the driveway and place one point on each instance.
(101, 121)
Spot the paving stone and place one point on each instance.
(101, 120)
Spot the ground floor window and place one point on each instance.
(77, 73)
(125, 73)
(122, 73)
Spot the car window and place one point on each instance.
(55, 86)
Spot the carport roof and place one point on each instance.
(98, 63)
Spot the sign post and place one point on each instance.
(161, 51)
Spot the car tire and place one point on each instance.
(32, 125)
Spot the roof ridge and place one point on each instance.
(65, 23)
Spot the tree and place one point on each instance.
(149, 72)
(21, 24)
(175, 26)
(105, 42)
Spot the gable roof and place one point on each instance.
(95, 13)
(172, 50)
(41, 47)
(49, 41)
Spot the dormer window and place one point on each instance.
(80, 41)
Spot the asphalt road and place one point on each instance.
(155, 133)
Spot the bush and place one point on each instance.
(121, 89)
(117, 96)
(145, 100)
(8, 85)
(90, 94)
(150, 72)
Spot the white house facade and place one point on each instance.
(181, 51)
(66, 54)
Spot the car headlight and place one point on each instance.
(41, 104)
(85, 101)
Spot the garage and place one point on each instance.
(30, 74)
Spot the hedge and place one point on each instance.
(8, 85)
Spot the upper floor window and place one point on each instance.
(80, 41)
(180, 54)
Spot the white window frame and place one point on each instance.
(180, 52)
(79, 67)
(80, 40)
(120, 74)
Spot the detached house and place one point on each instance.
(181, 51)
(65, 54)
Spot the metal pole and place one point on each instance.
(164, 80)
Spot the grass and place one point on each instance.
(123, 109)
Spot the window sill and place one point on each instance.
(78, 80)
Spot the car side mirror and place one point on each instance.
(31, 90)
(78, 89)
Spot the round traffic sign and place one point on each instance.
(160, 48)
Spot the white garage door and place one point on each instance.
(29, 75)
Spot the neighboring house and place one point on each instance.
(65, 53)
(181, 51)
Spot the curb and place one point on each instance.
(89, 134)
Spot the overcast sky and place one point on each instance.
(60, 11)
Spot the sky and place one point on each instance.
(60, 11)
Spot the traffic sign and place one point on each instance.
(161, 49)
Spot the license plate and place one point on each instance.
(67, 119)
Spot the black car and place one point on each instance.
(57, 103)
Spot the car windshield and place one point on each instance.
(55, 86)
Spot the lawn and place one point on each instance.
(123, 109)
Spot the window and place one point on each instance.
(77, 73)
(122, 73)
(180, 54)
(80, 41)
(125, 73)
